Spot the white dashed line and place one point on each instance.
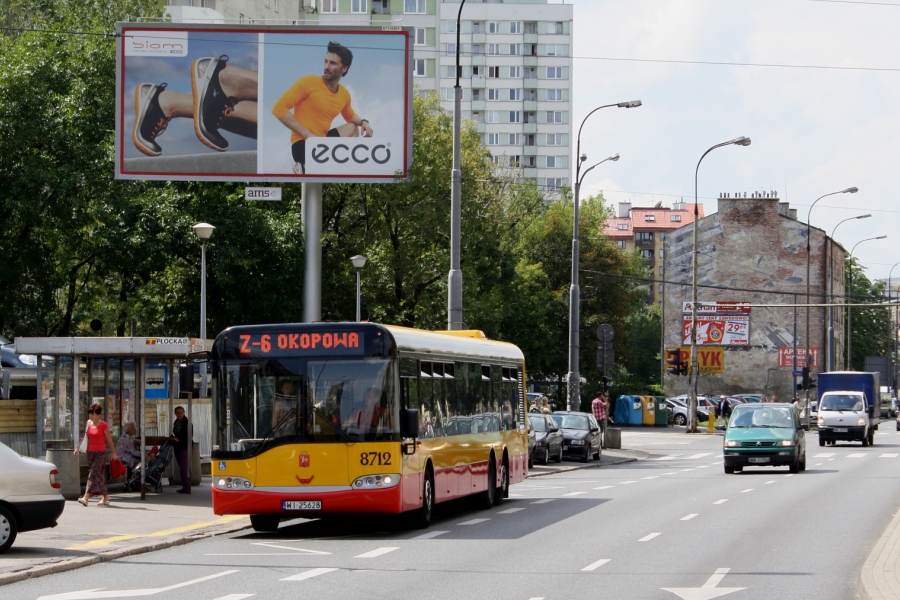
(722, 501)
(889, 455)
(235, 596)
(672, 473)
(857, 455)
(770, 481)
(685, 470)
(594, 565)
(573, 494)
(537, 598)
(789, 475)
(509, 511)
(604, 487)
(429, 535)
(747, 490)
(377, 552)
(829, 460)
(700, 455)
(308, 574)
(689, 517)
(703, 467)
(544, 501)
(669, 457)
(651, 477)
(818, 464)
(473, 522)
(627, 482)
(516, 496)
(824, 455)
(649, 537)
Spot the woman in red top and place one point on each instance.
(98, 437)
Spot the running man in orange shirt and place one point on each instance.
(309, 106)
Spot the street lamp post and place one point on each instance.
(204, 231)
(359, 261)
(850, 190)
(832, 358)
(454, 278)
(695, 367)
(891, 382)
(573, 399)
(847, 296)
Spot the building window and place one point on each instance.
(451, 26)
(451, 49)
(649, 217)
(494, 72)
(493, 116)
(662, 235)
(646, 253)
(661, 269)
(515, 27)
(515, 72)
(675, 218)
(476, 50)
(493, 139)
(493, 49)
(494, 27)
(477, 71)
(622, 226)
(554, 95)
(416, 6)
(530, 27)
(476, 95)
(515, 95)
(515, 116)
(419, 67)
(662, 253)
(554, 72)
(359, 6)
(660, 288)
(514, 160)
(554, 116)
(329, 6)
(553, 183)
(493, 94)
(420, 36)
(515, 49)
(623, 244)
(644, 236)
(276, 5)
(554, 139)
(552, 162)
(514, 139)
(555, 50)
(558, 28)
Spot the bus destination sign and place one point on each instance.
(324, 342)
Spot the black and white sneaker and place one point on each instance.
(211, 105)
(149, 120)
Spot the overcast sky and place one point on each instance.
(814, 131)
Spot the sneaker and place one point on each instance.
(149, 121)
(298, 169)
(211, 105)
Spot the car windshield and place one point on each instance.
(841, 402)
(571, 421)
(538, 424)
(754, 416)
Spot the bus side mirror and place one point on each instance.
(409, 423)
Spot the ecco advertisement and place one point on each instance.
(270, 103)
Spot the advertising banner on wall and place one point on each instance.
(786, 357)
(718, 323)
(710, 360)
(263, 103)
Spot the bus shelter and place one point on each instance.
(124, 375)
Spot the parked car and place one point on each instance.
(679, 410)
(548, 438)
(764, 435)
(752, 397)
(581, 434)
(29, 495)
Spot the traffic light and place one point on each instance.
(676, 365)
(606, 383)
(807, 382)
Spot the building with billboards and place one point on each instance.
(515, 56)
(752, 252)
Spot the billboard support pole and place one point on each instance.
(312, 240)
(454, 278)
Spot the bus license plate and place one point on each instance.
(759, 459)
(840, 430)
(301, 505)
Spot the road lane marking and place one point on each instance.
(672, 473)
(857, 455)
(594, 565)
(789, 475)
(703, 467)
(770, 481)
(516, 496)
(301, 550)
(700, 455)
(573, 494)
(818, 465)
(473, 522)
(235, 597)
(104, 593)
(824, 455)
(708, 590)
(722, 501)
(604, 487)
(685, 470)
(544, 501)
(429, 535)
(165, 532)
(688, 517)
(377, 552)
(627, 482)
(308, 574)
(649, 536)
(668, 457)
(510, 511)
(747, 490)
(889, 455)
(651, 477)
(829, 460)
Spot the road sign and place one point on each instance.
(605, 332)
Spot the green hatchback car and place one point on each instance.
(765, 435)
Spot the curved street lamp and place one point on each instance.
(204, 231)
(695, 368)
(847, 296)
(573, 398)
(832, 359)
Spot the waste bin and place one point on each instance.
(621, 410)
(636, 415)
(662, 412)
(648, 406)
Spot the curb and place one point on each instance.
(619, 460)
(86, 561)
(878, 579)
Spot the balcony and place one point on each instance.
(530, 83)
(381, 19)
(530, 105)
(479, 38)
(478, 82)
(531, 38)
(529, 127)
(477, 104)
(529, 151)
(530, 61)
(480, 127)
(478, 60)
(642, 243)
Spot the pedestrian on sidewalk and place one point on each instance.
(126, 447)
(98, 439)
(600, 408)
(182, 435)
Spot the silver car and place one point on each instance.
(29, 495)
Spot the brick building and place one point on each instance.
(645, 229)
(756, 246)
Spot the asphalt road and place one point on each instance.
(629, 531)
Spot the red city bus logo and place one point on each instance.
(304, 459)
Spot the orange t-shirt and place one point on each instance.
(314, 105)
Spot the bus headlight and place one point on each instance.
(371, 482)
(233, 483)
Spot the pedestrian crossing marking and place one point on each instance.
(594, 565)
(308, 574)
(889, 455)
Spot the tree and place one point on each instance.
(870, 327)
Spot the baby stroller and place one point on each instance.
(154, 470)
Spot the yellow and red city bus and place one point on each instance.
(325, 418)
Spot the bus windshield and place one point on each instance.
(315, 400)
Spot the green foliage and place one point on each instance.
(870, 327)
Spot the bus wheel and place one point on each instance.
(489, 496)
(265, 523)
(421, 517)
(503, 491)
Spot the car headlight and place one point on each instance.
(577, 442)
(786, 443)
(820, 421)
(861, 421)
(732, 443)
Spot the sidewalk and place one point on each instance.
(608, 457)
(880, 575)
(127, 527)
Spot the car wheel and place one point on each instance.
(865, 441)
(803, 462)
(739, 469)
(421, 517)
(681, 420)
(795, 466)
(531, 460)
(729, 470)
(546, 458)
(559, 456)
(898, 425)
(503, 491)
(8, 530)
(487, 497)
(265, 523)
(587, 455)
(871, 438)
(821, 441)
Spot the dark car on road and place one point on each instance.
(581, 434)
(548, 439)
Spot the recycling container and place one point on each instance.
(662, 413)
(648, 410)
(636, 413)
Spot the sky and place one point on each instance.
(813, 131)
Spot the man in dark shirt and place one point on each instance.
(181, 436)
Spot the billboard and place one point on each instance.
(263, 103)
(726, 330)
(786, 357)
(710, 360)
